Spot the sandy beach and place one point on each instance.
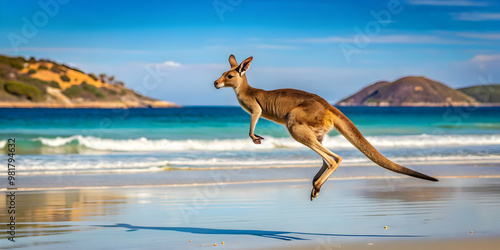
(236, 211)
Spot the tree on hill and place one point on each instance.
(14, 62)
(93, 76)
(65, 78)
(24, 90)
(102, 76)
(73, 91)
(111, 79)
(56, 69)
(54, 84)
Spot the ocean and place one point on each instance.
(100, 141)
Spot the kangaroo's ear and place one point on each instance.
(232, 61)
(244, 66)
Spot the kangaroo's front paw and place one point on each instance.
(314, 193)
(256, 139)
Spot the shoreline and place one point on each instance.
(472, 162)
(235, 176)
(237, 183)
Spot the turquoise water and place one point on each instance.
(106, 140)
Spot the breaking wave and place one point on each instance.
(144, 144)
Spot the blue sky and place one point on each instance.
(174, 50)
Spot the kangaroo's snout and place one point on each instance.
(218, 84)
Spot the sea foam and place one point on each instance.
(338, 142)
(79, 164)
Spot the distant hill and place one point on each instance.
(488, 94)
(44, 83)
(409, 91)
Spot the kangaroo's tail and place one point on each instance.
(352, 134)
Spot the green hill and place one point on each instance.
(45, 83)
(484, 93)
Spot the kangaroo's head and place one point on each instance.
(235, 76)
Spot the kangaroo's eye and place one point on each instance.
(229, 76)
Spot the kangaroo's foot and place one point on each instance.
(315, 192)
(256, 138)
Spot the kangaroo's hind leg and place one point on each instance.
(307, 136)
(318, 182)
(326, 174)
(320, 172)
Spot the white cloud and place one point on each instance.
(476, 16)
(486, 62)
(385, 39)
(449, 3)
(411, 39)
(277, 47)
(75, 50)
(171, 64)
(332, 39)
(489, 36)
(482, 58)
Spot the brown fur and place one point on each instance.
(307, 117)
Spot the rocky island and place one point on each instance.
(47, 84)
(418, 91)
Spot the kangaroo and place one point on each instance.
(307, 117)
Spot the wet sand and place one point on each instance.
(491, 243)
(374, 213)
(264, 174)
